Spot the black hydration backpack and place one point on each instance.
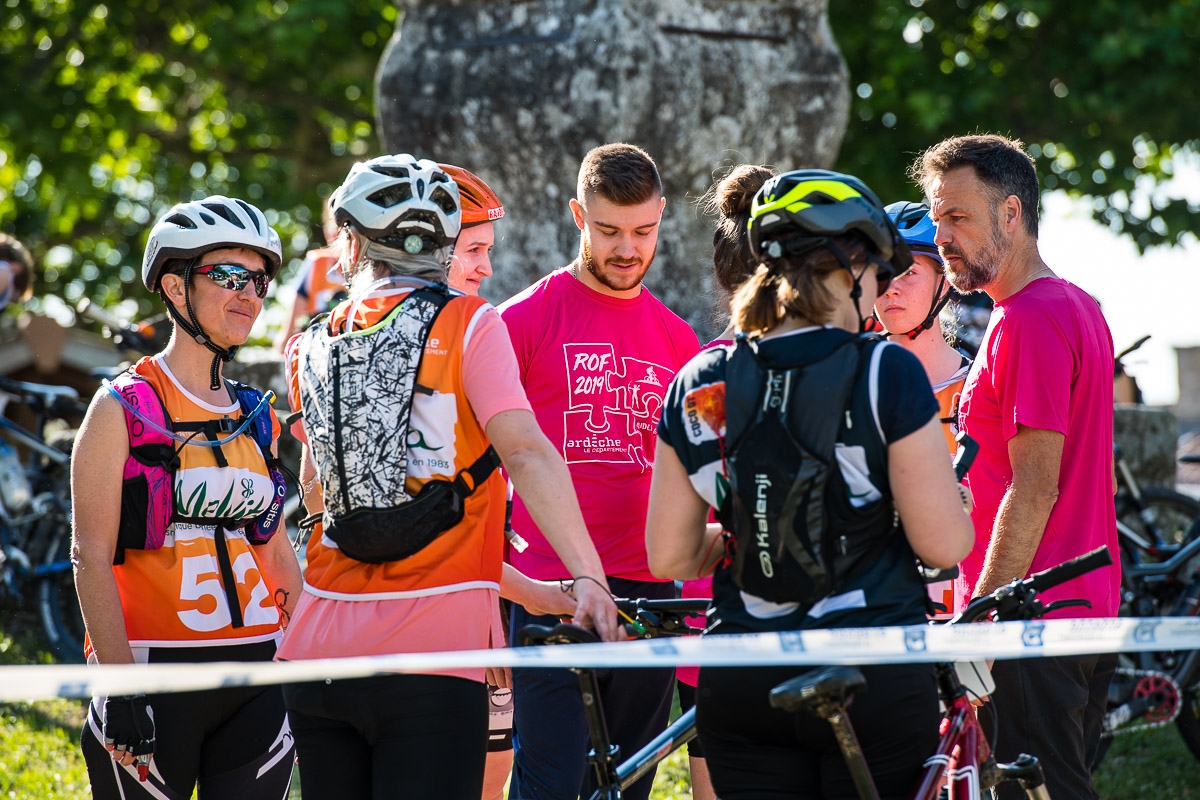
(798, 533)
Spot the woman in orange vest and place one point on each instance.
(909, 312)
(405, 393)
(176, 553)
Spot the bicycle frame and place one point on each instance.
(963, 757)
(644, 619)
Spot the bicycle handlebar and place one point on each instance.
(643, 619)
(647, 619)
(124, 335)
(55, 401)
(1018, 600)
(1069, 570)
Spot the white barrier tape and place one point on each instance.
(897, 645)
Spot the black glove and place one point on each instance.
(129, 724)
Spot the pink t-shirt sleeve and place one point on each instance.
(491, 377)
(1033, 374)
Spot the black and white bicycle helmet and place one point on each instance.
(190, 230)
(400, 201)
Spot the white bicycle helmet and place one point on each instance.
(191, 229)
(400, 201)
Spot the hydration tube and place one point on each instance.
(267, 398)
(515, 539)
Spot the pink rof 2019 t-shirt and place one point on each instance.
(1046, 362)
(595, 369)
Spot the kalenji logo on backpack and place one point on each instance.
(148, 479)
(797, 533)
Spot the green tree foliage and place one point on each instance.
(115, 110)
(1103, 92)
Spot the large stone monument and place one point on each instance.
(519, 90)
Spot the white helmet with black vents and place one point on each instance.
(192, 229)
(400, 201)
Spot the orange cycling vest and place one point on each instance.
(444, 437)
(174, 596)
(948, 396)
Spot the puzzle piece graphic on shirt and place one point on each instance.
(613, 415)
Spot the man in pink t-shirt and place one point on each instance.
(596, 351)
(1038, 400)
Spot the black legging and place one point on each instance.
(390, 736)
(756, 752)
(234, 742)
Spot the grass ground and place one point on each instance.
(39, 747)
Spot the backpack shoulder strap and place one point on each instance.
(865, 395)
(249, 399)
(744, 388)
(141, 400)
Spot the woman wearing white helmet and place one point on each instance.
(177, 497)
(411, 397)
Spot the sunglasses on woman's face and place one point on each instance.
(234, 277)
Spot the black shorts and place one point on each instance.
(755, 751)
(399, 735)
(234, 742)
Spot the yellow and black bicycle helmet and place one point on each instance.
(803, 209)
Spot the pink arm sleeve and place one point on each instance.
(491, 377)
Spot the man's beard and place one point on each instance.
(615, 282)
(981, 270)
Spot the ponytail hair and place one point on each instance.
(729, 202)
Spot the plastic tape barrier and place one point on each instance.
(898, 645)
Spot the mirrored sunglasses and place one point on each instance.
(235, 277)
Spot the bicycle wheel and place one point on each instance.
(1188, 721)
(1188, 678)
(58, 604)
(1166, 519)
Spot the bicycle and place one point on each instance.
(648, 619)
(645, 619)
(1159, 535)
(35, 515)
(963, 763)
(1151, 517)
(828, 688)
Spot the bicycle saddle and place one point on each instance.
(559, 634)
(814, 691)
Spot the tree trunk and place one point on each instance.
(518, 92)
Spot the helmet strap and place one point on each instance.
(856, 291)
(191, 327)
(935, 309)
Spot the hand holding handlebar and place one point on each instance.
(595, 609)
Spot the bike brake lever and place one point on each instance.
(1073, 603)
(142, 763)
